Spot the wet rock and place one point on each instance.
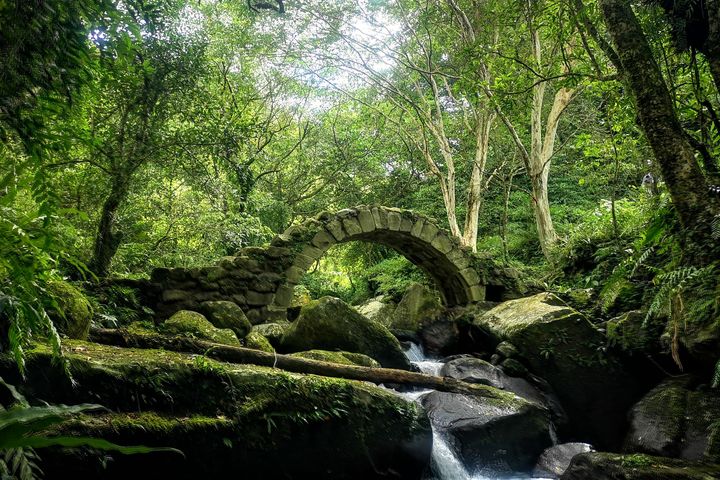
(677, 421)
(475, 370)
(440, 337)
(230, 421)
(555, 460)
(224, 314)
(331, 324)
(611, 466)
(507, 350)
(559, 344)
(186, 322)
(500, 435)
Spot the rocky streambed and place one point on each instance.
(536, 393)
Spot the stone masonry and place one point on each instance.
(261, 279)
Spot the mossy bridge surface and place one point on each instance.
(261, 279)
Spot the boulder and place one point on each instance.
(555, 460)
(257, 342)
(345, 358)
(229, 420)
(379, 309)
(419, 306)
(475, 370)
(330, 324)
(492, 435)
(612, 466)
(224, 314)
(273, 332)
(186, 322)
(561, 345)
(675, 420)
(74, 313)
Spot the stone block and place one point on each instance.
(417, 228)
(367, 222)
(174, 295)
(284, 295)
(259, 298)
(322, 240)
(294, 274)
(336, 229)
(477, 293)
(394, 220)
(351, 226)
(406, 224)
(442, 243)
(380, 217)
(429, 231)
(470, 276)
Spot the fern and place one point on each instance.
(716, 376)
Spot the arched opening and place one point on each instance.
(415, 237)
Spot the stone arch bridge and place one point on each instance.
(261, 279)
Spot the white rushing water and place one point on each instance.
(445, 463)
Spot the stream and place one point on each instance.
(445, 463)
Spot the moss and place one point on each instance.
(224, 314)
(256, 341)
(598, 465)
(344, 358)
(266, 416)
(330, 324)
(74, 312)
(194, 324)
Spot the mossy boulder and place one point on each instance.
(419, 307)
(330, 324)
(273, 332)
(378, 309)
(230, 420)
(74, 312)
(493, 435)
(675, 420)
(560, 345)
(344, 358)
(612, 466)
(186, 322)
(224, 314)
(257, 342)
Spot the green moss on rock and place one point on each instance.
(240, 420)
(224, 314)
(344, 358)
(330, 324)
(256, 341)
(74, 312)
(611, 466)
(186, 322)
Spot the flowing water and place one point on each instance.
(445, 463)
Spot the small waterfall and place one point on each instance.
(445, 463)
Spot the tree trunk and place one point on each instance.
(242, 355)
(475, 188)
(660, 123)
(712, 50)
(107, 241)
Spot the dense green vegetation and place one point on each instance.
(576, 141)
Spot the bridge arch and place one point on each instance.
(414, 236)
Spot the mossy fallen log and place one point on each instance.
(226, 353)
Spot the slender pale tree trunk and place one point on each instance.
(477, 187)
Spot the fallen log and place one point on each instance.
(241, 355)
